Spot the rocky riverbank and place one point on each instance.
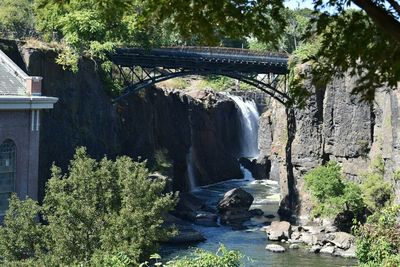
(234, 210)
(315, 238)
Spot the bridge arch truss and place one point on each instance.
(137, 69)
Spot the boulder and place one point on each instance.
(236, 198)
(306, 238)
(234, 207)
(188, 206)
(275, 248)
(279, 230)
(186, 233)
(313, 229)
(348, 253)
(206, 219)
(315, 249)
(331, 229)
(295, 235)
(235, 217)
(256, 212)
(341, 239)
(294, 246)
(328, 250)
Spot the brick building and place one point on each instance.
(20, 105)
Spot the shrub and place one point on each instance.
(202, 258)
(163, 163)
(325, 182)
(378, 240)
(331, 193)
(377, 192)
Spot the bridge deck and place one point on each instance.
(203, 58)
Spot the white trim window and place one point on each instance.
(7, 173)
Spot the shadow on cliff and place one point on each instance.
(289, 204)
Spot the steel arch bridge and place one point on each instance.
(138, 68)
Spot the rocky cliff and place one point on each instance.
(140, 125)
(334, 125)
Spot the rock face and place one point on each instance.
(279, 231)
(234, 207)
(333, 125)
(140, 125)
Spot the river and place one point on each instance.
(252, 241)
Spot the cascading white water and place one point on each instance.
(249, 122)
(190, 170)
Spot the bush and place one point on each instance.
(325, 182)
(331, 193)
(95, 208)
(377, 193)
(378, 240)
(202, 258)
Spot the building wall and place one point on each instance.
(18, 126)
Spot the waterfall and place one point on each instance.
(249, 123)
(190, 170)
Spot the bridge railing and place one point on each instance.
(226, 50)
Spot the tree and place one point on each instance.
(358, 43)
(22, 236)
(95, 209)
(16, 18)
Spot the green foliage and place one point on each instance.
(87, 27)
(256, 45)
(16, 18)
(118, 259)
(352, 42)
(325, 181)
(378, 240)
(21, 236)
(396, 176)
(301, 63)
(95, 208)
(201, 258)
(218, 83)
(210, 20)
(163, 163)
(377, 192)
(331, 193)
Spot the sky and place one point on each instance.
(293, 4)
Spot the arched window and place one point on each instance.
(7, 173)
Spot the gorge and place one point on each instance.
(202, 132)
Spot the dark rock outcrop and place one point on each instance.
(333, 125)
(259, 167)
(234, 207)
(138, 126)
